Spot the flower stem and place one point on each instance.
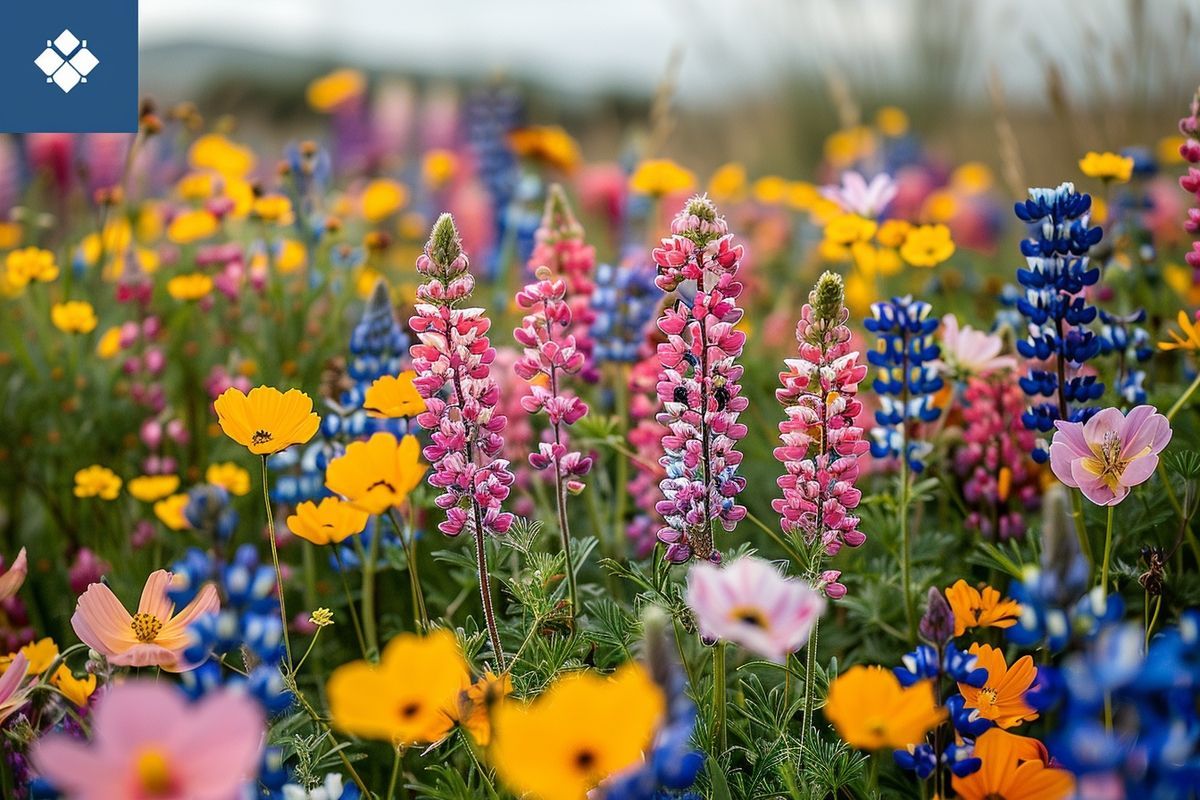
(1183, 398)
(420, 612)
(485, 589)
(362, 644)
(1108, 534)
(397, 757)
(1085, 544)
(287, 642)
(910, 614)
(368, 593)
(810, 683)
(720, 739)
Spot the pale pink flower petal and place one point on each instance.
(1110, 453)
(14, 577)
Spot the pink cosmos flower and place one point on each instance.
(154, 636)
(751, 604)
(856, 196)
(149, 742)
(967, 352)
(14, 577)
(1110, 453)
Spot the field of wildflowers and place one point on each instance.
(493, 472)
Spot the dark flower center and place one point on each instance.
(409, 710)
(585, 760)
(260, 437)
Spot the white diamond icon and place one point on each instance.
(48, 61)
(66, 78)
(66, 42)
(84, 62)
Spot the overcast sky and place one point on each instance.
(728, 46)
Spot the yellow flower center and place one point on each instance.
(261, 437)
(987, 698)
(146, 627)
(1108, 465)
(154, 773)
(749, 616)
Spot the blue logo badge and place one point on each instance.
(69, 66)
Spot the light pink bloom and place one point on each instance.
(856, 196)
(1110, 453)
(149, 742)
(967, 352)
(14, 691)
(14, 577)
(751, 604)
(155, 636)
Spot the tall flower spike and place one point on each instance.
(559, 246)
(698, 384)
(1056, 307)
(452, 359)
(550, 355)
(820, 441)
(906, 381)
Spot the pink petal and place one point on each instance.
(1139, 470)
(1144, 430)
(12, 580)
(154, 596)
(1073, 435)
(219, 747)
(101, 622)
(79, 770)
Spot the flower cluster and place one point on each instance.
(821, 442)
(453, 355)
(699, 385)
(624, 304)
(551, 353)
(1189, 126)
(1122, 336)
(559, 246)
(1057, 310)
(1000, 482)
(907, 379)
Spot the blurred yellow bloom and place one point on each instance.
(97, 481)
(1107, 166)
(230, 477)
(846, 229)
(365, 283)
(291, 256)
(73, 316)
(893, 232)
(927, 246)
(77, 690)
(1190, 340)
(586, 726)
(661, 176)
(266, 420)
(771, 190)
(408, 698)
(871, 711)
(412, 226)
(439, 168)
(1167, 150)
(382, 198)
(549, 144)
(377, 474)
(891, 121)
(192, 226)
(848, 145)
(803, 196)
(328, 92)
(972, 177)
(329, 522)
(151, 488)
(872, 261)
(728, 183)
(940, 206)
(30, 264)
(41, 655)
(169, 511)
(110, 343)
(477, 704)
(229, 159)
(116, 238)
(196, 186)
(392, 396)
(860, 293)
(192, 286)
(273, 208)
(10, 235)
(149, 222)
(823, 210)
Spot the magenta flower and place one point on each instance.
(751, 604)
(821, 443)
(148, 741)
(699, 383)
(1110, 453)
(551, 355)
